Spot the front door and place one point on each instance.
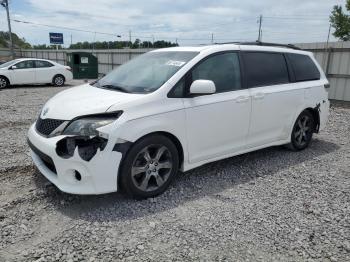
(23, 73)
(217, 124)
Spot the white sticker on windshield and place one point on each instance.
(175, 63)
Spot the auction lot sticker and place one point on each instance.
(175, 63)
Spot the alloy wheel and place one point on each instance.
(152, 167)
(59, 80)
(303, 130)
(3, 83)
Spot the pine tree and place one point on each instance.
(340, 21)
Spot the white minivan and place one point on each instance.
(176, 109)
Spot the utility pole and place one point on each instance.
(5, 4)
(93, 43)
(212, 38)
(329, 33)
(71, 39)
(260, 28)
(130, 38)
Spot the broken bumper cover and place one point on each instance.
(98, 174)
(324, 113)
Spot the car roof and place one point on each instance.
(225, 47)
(26, 59)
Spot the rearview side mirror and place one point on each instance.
(12, 67)
(202, 87)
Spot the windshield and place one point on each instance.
(8, 63)
(145, 73)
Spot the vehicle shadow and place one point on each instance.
(206, 181)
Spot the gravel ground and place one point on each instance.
(269, 205)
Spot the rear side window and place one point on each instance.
(41, 63)
(264, 69)
(304, 68)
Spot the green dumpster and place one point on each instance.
(84, 65)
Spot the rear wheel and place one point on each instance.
(58, 80)
(303, 130)
(149, 167)
(3, 82)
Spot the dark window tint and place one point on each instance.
(178, 90)
(40, 64)
(25, 64)
(222, 69)
(304, 68)
(264, 69)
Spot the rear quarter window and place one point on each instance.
(304, 68)
(41, 64)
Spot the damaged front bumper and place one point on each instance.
(76, 165)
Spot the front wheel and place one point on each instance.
(302, 132)
(149, 167)
(3, 82)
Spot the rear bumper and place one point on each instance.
(98, 175)
(68, 76)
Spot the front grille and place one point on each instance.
(45, 158)
(46, 126)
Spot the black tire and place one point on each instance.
(4, 82)
(58, 80)
(302, 132)
(136, 171)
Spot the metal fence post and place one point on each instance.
(112, 60)
(329, 56)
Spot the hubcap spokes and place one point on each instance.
(2, 82)
(302, 131)
(151, 167)
(59, 81)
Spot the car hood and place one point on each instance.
(84, 100)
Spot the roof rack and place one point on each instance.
(263, 44)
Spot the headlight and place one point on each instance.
(86, 126)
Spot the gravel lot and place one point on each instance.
(270, 205)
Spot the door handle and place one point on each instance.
(242, 99)
(259, 96)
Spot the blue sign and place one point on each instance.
(56, 38)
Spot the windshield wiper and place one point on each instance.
(118, 88)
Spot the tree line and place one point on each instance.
(22, 43)
(122, 44)
(112, 45)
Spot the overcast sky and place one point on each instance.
(188, 22)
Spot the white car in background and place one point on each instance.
(33, 71)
